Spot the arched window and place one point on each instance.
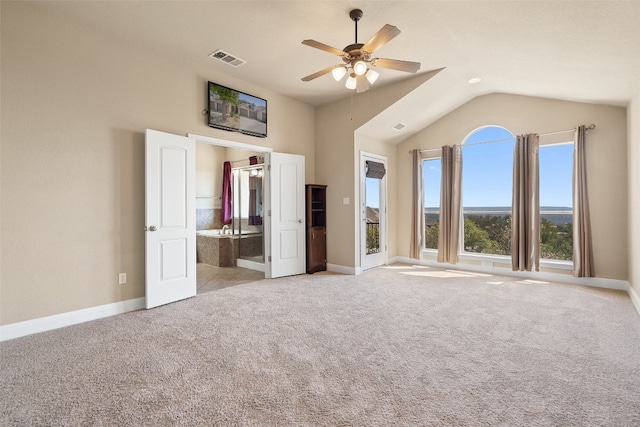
(487, 176)
(487, 182)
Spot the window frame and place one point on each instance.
(475, 256)
(551, 262)
(490, 259)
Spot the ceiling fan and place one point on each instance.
(357, 58)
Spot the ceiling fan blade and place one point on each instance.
(324, 47)
(320, 73)
(396, 64)
(382, 37)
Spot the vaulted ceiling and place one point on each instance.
(572, 50)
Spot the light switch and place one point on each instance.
(345, 201)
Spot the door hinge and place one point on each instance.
(269, 258)
(269, 168)
(269, 212)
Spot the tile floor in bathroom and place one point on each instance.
(211, 278)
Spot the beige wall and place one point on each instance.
(336, 155)
(606, 157)
(370, 145)
(633, 116)
(75, 106)
(209, 160)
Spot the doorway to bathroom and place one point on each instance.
(229, 215)
(170, 214)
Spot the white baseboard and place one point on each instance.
(635, 299)
(42, 324)
(342, 269)
(251, 265)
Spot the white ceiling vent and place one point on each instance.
(399, 126)
(223, 56)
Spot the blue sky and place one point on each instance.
(487, 172)
(373, 192)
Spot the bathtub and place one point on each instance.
(216, 248)
(225, 233)
(210, 233)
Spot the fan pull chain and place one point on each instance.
(351, 109)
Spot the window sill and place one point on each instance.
(502, 259)
(556, 264)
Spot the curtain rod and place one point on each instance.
(587, 128)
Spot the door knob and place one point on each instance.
(300, 221)
(151, 228)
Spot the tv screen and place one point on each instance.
(236, 111)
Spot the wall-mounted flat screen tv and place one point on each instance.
(236, 111)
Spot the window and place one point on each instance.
(372, 203)
(556, 201)
(432, 174)
(487, 181)
(487, 177)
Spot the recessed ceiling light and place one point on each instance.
(475, 80)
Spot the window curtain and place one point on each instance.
(255, 195)
(582, 250)
(450, 204)
(417, 211)
(227, 210)
(525, 213)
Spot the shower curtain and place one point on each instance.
(227, 210)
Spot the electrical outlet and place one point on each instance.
(122, 278)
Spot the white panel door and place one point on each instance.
(285, 229)
(170, 229)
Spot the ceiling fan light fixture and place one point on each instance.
(372, 76)
(351, 82)
(357, 58)
(359, 67)
(339, 72)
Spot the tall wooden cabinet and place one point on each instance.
(316, 206)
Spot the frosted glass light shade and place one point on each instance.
(339, 72)
(359, 68)
(372, 76)
(351, 82)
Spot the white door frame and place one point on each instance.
(371, 261)
(239, 146)
(230, 144)
(267, 241)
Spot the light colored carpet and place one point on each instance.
(399, 345)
